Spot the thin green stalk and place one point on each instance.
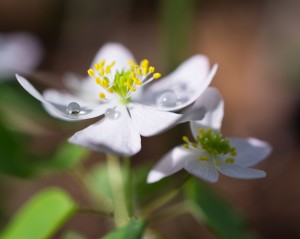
(128, 185)
(95, 211)
(121, 214)
(170, 212)
(165, 198)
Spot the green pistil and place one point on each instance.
(214, 144)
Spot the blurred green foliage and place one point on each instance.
(41, 216)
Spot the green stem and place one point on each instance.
(95, 211)
(167, 197)
(121, 214)
(170, 212)
(128, 184)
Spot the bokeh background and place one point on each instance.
(257, 46)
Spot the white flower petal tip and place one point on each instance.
(183, 86)
(155, 176)
(57, 103)
(250, 151)
(239, 172)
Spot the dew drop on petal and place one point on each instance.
(167, 99)
(112, 113)
(73, 108)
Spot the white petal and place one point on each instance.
(202, 169)
(59, 106)
(111, 135)
(250, 151)
(212, 101)
(150, 121)
(114, 52)
(171, 163)
(236, 171)
(188, 82)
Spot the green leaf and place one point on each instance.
(41, 216)
(134, 230)
(211, 210)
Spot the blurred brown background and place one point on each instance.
(257, 47)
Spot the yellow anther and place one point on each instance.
(230, 160)
(144, 63)
(105, 83)
(101, 95)
(132, 89)
(112, 64)
(97, 67)
(107, 70)
(131, 63)
(139, 71)
(133, 76)
(203, 158)
(156, 75)
(127, 83)
(101, 71)
(186, 146)
(138, 82)
(194, 145)
(151, 69)
(185, 139)
(233, 152)
(98, 80)
(110, 90)
(91, 72)
(145, 66)
(101, 63)
(217, 163)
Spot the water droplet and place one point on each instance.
(112, 113)
(73, 108)
(167, 99)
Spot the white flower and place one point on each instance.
(115, 88)
(19, 52)
(211, 154)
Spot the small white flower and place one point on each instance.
(115, 88)
(19, 52)
(210, 153)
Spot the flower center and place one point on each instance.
(213, 144)
(125, 81)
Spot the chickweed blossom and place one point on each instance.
(115, 88)
(209, 153)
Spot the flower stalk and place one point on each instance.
(121, 214)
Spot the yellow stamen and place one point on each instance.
(101, 63)
(186, 146)
(101, 95)
(97, 67)
(98, 80)
(203, 158)
(91, 72)
(185, 139)
(156, 75)
(230, 160)
(217, 163)
(151, 69)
